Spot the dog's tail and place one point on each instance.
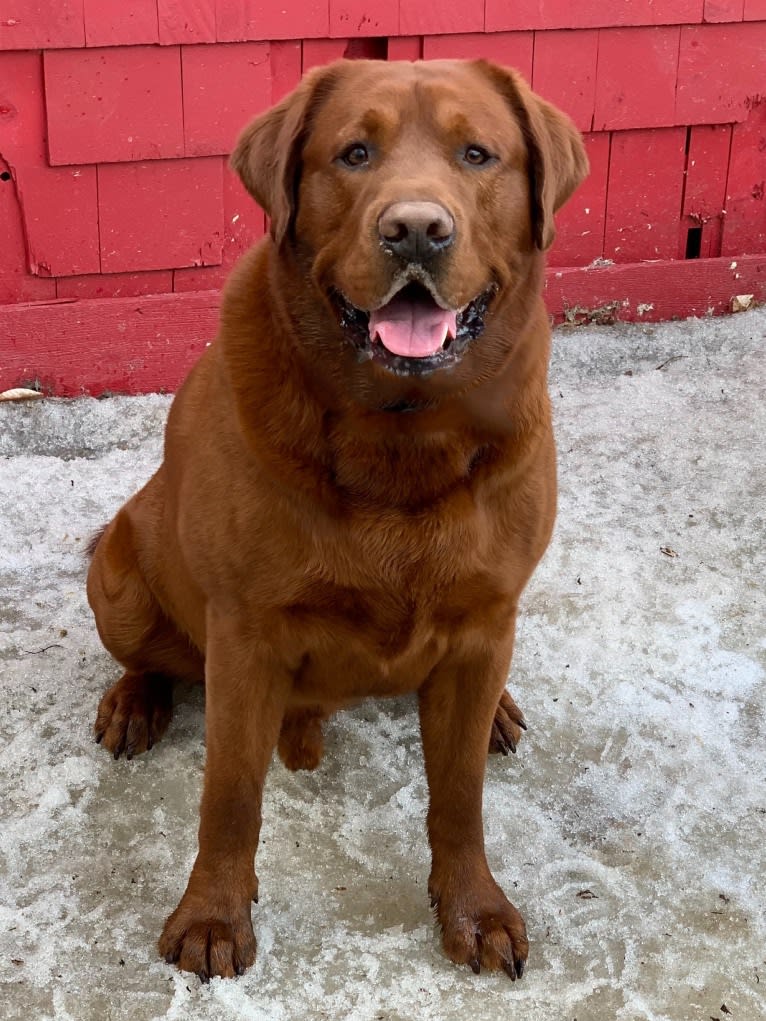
(94, 540)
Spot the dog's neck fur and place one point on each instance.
(350, 454)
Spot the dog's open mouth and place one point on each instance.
(411, 334)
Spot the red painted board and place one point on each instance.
(22, 151)
(744, 226)
(16, 282)
(706, 168)
(116, 104)
(285, 59)
(705, 192)
(242, 20)
(244, 220)
(186, 21)
(37, 24)
(664, 12)
(115, 285)
(22, 109)
(580, 223)
(60, 218)
(636, 79)
(117, 23)
(418, 18)
(117, 345)
(216, 110)
(243, 224)
(755, 10)
(722, 68)
(653, 291)
(317, 52)
(349, 18)
(160, 214)
(513, 49)
(408, 47)
(724, 10)
(564, 72)
(646, 174)
(500, 15)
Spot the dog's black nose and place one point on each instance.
(416, 231)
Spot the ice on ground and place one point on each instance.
(630, 829)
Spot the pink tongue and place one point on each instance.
(412, 329)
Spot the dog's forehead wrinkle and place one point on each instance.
(375, 120)
(371, 112)
(370, 124)
(424, 108)
(450, 107)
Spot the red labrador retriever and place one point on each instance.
(359, 475)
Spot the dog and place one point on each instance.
(358, 477)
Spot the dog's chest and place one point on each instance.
(402, 607)
(366, 643)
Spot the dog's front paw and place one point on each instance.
(201, 937)
(481, 928)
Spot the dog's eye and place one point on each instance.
(476, 155)
(355, 156)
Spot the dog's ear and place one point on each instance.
(267, 155)
(557, 160)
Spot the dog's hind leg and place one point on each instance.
(301, 743)
(135, 712)
(507, 726)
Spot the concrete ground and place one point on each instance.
(630, 829)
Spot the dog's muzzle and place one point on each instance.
(412, 333)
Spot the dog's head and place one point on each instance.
(415, 195)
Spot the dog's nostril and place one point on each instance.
(394, 232)
(440, 230)
(416, 230)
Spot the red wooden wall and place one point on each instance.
(119, 218)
